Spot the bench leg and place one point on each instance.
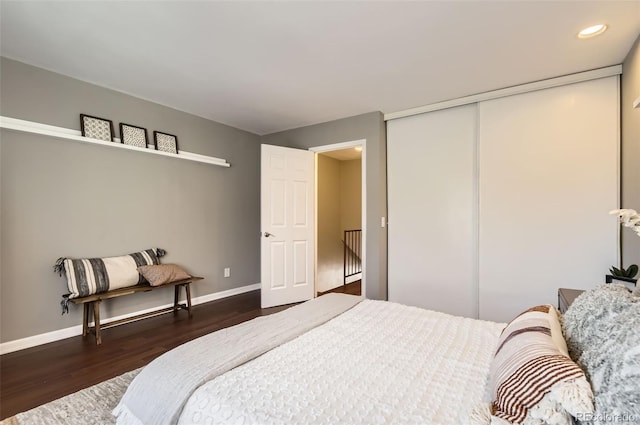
(96, 318)
(187, 288)
(85, 319)
(176, 296)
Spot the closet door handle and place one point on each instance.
(267, 234)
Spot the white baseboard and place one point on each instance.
(32, 341)
(354, 278)
(349, 280)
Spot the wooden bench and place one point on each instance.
(93, 301)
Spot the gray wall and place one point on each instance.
(329, 267)
(61, 198)
(350, 195)
(631, 150)
(371, 127)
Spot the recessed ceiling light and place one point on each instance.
(592, 31)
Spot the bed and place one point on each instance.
(341, 359)
(314, 363)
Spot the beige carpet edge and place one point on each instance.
(13, 420)
(90, 406)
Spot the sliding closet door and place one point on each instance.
(548, 167)
(432, 199)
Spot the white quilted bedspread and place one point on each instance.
(378, 363)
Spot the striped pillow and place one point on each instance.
(533, 379)
(88, 276)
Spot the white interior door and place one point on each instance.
(288, 225)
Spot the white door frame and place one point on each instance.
(335, 147)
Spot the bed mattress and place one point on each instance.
(376, 363)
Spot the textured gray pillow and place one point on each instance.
(602, 330)
(583, 320)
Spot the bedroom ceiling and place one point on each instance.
(271, 66)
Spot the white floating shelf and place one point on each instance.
(76, 136)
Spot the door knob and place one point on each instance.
(267, 234)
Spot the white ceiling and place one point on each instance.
(271, 66)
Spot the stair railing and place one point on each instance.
(352, 253)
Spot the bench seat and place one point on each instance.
(93, 302)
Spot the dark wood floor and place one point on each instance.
(353, 288)
(38, 375)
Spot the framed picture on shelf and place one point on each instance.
(166, 142)
(96, 128)
(133, 135)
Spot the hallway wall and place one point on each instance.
(339, 209)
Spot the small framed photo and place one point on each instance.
(96, 128)
(133, 135)
(166, 142)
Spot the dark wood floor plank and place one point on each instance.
(353, 288)
(38, 375)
